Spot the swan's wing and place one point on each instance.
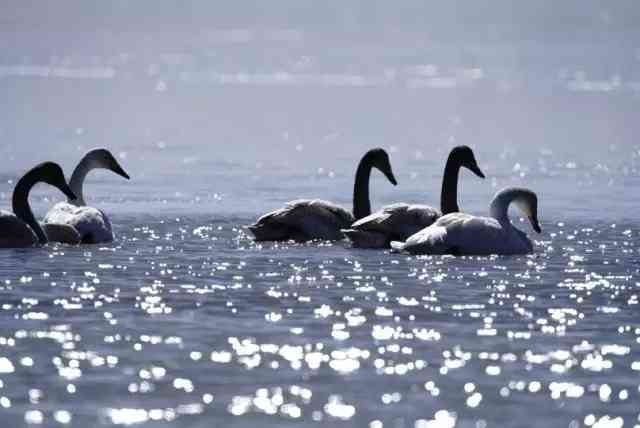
(91, 223)
(60, 213)
(486, 235)
(472, 235)
(302, 220)
(14, 232)
(322, 219)
(342, 216)
(398, 221)
(436, 239)
(379, 220)
(61, 233)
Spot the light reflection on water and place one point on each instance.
(187, 321)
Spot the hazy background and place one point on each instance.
(191, 94)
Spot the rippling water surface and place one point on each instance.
(185, 321)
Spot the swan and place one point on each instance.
(91, 223)
(465, 234)
(307, 219)
(397, 222)
(19, 229)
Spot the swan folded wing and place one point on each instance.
(14, 232)
(437, 238)
(61, 233)
(342, 216)
(61, 213)
(322, 220)
(302, 219)
(398, 221)
(91, 223)
(415, 218)
(466, 234)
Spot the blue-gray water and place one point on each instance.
(184, 321)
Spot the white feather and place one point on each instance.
(91, 223)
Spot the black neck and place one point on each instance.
(20, 202)
(361, 203)
(449, 194)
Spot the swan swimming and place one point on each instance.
(399, 221)
(19, 228)
(307, 219)
(91, 223)
(465, 234)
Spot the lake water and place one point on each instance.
(185, 321)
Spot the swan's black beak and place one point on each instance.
(535, 224)
(476, 170)
(64, 188)
(390, 176)
(118, 170)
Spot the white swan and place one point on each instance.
(464, 234)
(19, 228)
(91, 223)
(399, 221)
(307, 219)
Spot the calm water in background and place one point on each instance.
(184, 321)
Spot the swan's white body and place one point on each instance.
(15, 233)
(92, 225)
(303, 220)
(393, 222)
(460, 233)
(465, 234)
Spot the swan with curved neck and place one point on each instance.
(20, 228)
(92, 224)
(308, 219)
(399, 221)
(464, 234)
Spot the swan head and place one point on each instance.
(464, 155)
(379, 159)
(527, 201)
(51, 173)
(102, 158)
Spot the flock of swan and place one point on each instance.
(71, 222)
(412, 228)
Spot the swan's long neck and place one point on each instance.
(77, 179)
(499, 208)
(449, 194)
(361, 203)
(20, 203)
